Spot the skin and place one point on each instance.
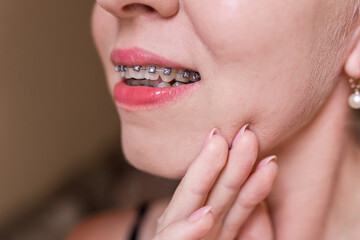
(281, 66)
(262, 51)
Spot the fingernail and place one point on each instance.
(240, 133)
(213, 132)
(265, 161)
(199, 214)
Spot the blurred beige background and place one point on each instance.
(56, 116)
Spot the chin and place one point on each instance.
(152, 157)
(156, 162)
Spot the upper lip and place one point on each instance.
(136, 56)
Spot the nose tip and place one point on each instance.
(134, 8)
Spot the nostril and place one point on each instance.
(136, 7)
(150, 9)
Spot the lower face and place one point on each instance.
(260, 63)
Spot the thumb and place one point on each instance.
(193, 228)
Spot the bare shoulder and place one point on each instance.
(118, 224)
(108, 225)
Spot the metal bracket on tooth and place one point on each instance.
(137, 68)
(121, 68)
(195, 76)
(167, 71)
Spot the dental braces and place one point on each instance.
(188, 74)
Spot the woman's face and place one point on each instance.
(268, 63)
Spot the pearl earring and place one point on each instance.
(354, 99)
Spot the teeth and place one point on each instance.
(151, 76)
(195, 77)
(158, 74)
(152, 69)
(186, 74)
(163, 84)
(167, 76)
(134, 82)
(127, 74)
(136, 74)
(176, 84)
(167, 71)
(151, 83)
(180, 78)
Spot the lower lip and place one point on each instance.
(143, 97)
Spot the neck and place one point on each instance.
(310, 168)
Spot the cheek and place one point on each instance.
(225, 26)
(270, 47)
(104, 30)
(234, 29)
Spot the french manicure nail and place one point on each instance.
(214, 131)
(266, 161)
(197, 215)
(240, 133)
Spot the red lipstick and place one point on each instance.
(139, 97)
(137, 56)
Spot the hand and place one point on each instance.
(221, 185)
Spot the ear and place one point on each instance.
(352, 63)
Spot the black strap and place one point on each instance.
(141, 213)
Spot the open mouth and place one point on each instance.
(157, 76)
